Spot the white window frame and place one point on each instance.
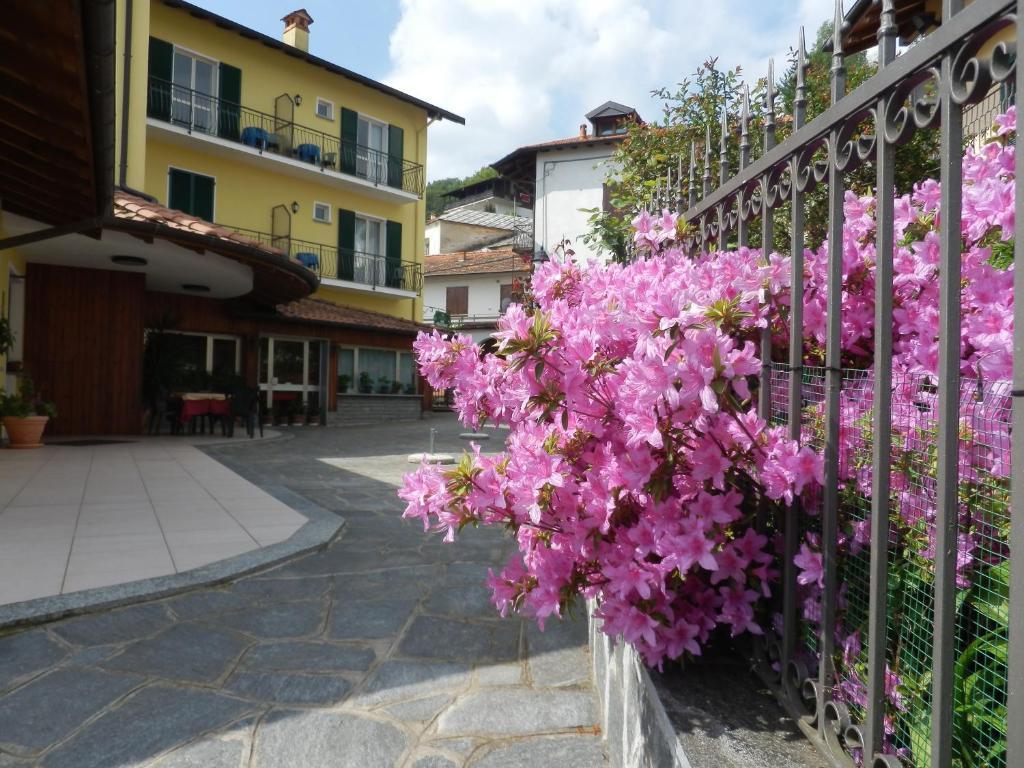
(210, 338)
(215, 63)
(378, 164)
(353, 387)
(321, 100)
(330, 213)
(305, 389)
(379, 259)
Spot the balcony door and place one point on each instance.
(194, 91)
(372, 149)
(369, 256)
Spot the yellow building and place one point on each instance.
(305, 178)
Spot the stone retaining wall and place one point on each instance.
(635, 724)
(373, 409)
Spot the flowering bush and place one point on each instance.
(633, 444)
(635, 456)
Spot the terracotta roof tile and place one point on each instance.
(475, 262)
(320, 311)
(134, 208)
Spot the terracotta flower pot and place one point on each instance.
(26, 432)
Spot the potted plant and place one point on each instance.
(396, 387)
(293, 409)
(383, 385)
(25, 415)
(410, 389)
(344, 382)
(313, 414)
(365, 383)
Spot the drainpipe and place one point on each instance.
(125, 92)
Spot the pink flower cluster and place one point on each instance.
(634, 446)
(633, 442)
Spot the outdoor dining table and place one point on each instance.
(195, 404)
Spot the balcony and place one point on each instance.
(180, 114)
(348, 269)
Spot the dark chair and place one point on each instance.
(245, 405)
(164, 408)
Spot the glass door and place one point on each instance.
(193, 91)
(290, 374)
(372, 150)
(369, 262)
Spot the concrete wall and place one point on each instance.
(634, 722)
(484, 291)
(450, 236)
(374, 409)
(568, 180)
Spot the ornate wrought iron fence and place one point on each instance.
(201, 113)
(963, 644)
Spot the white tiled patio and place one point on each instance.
(78, 517)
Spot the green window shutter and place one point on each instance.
(346, 245)
(202, 197)
(230, 97)
(180, 190)
(161, 62)
(396, 152)
(191, 193)
(349, 132)
(393, 255)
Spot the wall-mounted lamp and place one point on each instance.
(295, 206)
(298, 100)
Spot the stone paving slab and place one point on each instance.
(381, 651)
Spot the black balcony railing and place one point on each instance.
(200, 113)
(353, 266)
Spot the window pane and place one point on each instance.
(346, 370)
(288, 361)
(363, 132)
(264, 356)
(313, 368)
(407, 372)
(376, 370)
(193, 362)
(224, 356)
(361, 234)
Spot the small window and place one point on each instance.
(325, 109)
(322, 213)
(457, 300)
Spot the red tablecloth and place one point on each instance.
(192, 408)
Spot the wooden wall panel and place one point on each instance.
(83, 346)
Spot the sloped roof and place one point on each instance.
(273, 42)
(320, 311)
(610, 109)
(475, 263)
(483, 218)
(129, 207)
(519, 162)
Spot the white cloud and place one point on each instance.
(528, 71)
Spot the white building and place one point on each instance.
(468, 291)
(567, 176)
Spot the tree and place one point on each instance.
(693, 110)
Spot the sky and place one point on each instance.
(529, 71)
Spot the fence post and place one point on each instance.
(1015, 681)
(885, 159)
(742, 226)
(791, 542)
(767, 235)
(833, 385)
(948, 410)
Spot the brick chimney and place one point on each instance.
(583, 130)
(296, 29)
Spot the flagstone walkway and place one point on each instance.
(381, 651)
